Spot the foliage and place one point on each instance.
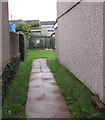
(35, 25)
(24, 27)
(8, 74)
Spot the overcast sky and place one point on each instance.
(32, 10)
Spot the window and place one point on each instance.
(50, 30)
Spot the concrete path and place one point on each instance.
(44, 98)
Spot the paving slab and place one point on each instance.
(46, 71)
(36, 70)
(44, 99)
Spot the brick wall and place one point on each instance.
(80, 43)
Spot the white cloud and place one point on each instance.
(32, 9)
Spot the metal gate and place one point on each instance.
(42, 42)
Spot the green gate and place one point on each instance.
(41, 42)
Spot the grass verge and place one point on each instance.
(77, 96)
(15, 101)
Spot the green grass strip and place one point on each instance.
(76, 94)
(15, 101)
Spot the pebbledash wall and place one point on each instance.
(80, 42)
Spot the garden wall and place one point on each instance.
(10, 40)
(14, 44)
(80, 42)
(8, 51)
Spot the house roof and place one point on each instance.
(15, 21)
(31, 21)
(47, 22)
(37, 30)
(28, 21)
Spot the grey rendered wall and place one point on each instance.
(79, 43)
(10, 40)
(14, 44)
(0, 38)
(0, 59)
(5, 34)
(57, 42)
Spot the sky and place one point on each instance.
(43, 10)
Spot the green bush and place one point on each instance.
(9, 72)
(24, 27)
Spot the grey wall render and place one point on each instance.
(0, 59)
(10, 40)
(0, 38)
(14, 44)
(79, 43)
(5, 34)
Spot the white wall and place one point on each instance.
(45, 28)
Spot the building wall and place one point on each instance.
(79, 43)
(0, 59)
(10, 40)
(44, 31)
(45, 28)
(57, 42)
(0, 38)
(5, 34)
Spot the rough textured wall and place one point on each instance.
(14, 44)
(5, 34)
(80, 43)
(65, 6)
(56, 42)
(0, 38)
(0, 59)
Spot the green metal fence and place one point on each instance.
(42, 42)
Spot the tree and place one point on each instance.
(24, 27)
(35, 25)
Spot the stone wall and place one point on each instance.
(80, 43)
